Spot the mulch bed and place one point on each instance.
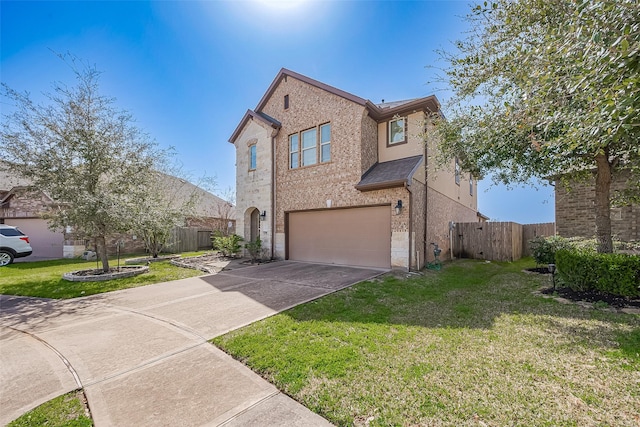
(587, 296)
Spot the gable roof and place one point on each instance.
(252, 115)
(395, 173)
(378, 112)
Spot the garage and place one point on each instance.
(354, 236)
(46, 244)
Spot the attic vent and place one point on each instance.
(286, 102)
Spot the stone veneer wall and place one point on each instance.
(253, 187)
(575, 212)
(440, 210)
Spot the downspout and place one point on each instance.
(410, 222)
(274, 133)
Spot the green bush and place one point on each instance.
(616, 274)
(227, 245)
(254, 249)
(543, 249)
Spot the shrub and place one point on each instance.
(227, 245)
(254, 249)
(616, 274)
(543, 249)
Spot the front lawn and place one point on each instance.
(468, 345)
(68, 410)
(44, 278)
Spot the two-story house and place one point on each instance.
(326, 176)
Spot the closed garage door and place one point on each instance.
(357, 236)
(46, 244)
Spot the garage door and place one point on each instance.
(357, 236)
(46, 244)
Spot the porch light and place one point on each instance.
(263, 215)
(398, 207)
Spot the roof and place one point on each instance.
(395, 173)
(178, 189)
(378, 112)
(252, 115)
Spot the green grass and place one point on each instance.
(44, 278)
(468, 345)
(63, 411)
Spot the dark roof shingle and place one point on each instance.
(395, 173)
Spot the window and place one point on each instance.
(325, 143)
(470, 185)
(286, 102)
(294, 151)
(309, 147)
(397, 131)
(457, 171)
(252, 157)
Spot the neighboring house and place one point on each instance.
(326, 176)
(23, 206)
(575, 213)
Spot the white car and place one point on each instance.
(13, 244)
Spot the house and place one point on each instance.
(23, 206)
(326, 176)
(575, 213)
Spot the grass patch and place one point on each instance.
(67, 410)
(44, 278)
(468, 345)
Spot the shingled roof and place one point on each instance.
(395, 173)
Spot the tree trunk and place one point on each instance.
(101, 247)
(603, 203)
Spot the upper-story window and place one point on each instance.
(325, 143)
(457, 171)
(397, 130)
(310, 146)
(294, 151)
(252, 157)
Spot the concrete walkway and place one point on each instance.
(142, 354)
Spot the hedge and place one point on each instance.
(616, 274)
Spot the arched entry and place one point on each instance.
(252, 225)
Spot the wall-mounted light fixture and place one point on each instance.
(263, 215)
(398, 207)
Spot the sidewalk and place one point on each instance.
(142, 354)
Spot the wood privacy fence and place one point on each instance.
(185, 239)
(496, 241)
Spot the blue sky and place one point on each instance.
(189, 70)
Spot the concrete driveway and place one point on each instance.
(142, 354)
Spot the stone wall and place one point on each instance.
(253, 187)
(575, 211)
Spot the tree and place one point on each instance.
(86, 154)
(165, 203)
(547, 87)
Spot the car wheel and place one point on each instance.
(6, 258)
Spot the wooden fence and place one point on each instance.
(186, 239)
(496, 241)
(531, 231)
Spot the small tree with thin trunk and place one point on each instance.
(544, 88)
(84, 152)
